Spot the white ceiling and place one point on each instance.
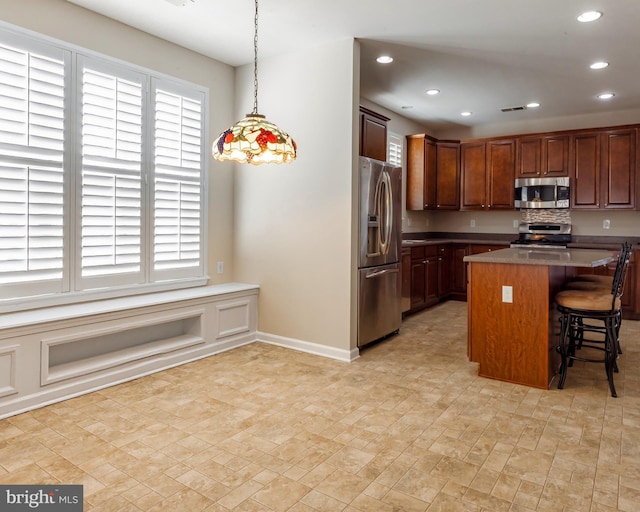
(483, 55)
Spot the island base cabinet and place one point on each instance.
(514, 341)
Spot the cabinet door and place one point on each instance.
(418, 283)
(500, 174)
(431, 286)
(430, 166)
(447, 176)
(459, 278)
(529, 157)
(415, 173)
(619, 169)
(444, 270)
(555, 155)
(421, 173)
(374, 138)
(373, 134)
(406, 280)
(585, 189)
(473, 162)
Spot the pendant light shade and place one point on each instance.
(255, 140)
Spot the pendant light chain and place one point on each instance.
(255, 62)
(255, 140)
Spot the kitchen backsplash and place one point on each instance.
(562, 216)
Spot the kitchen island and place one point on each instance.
(513, 325)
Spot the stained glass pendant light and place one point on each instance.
(254, 139)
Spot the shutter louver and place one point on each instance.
(111, 214)
(32, 133)
(178, 182)
(394, 150)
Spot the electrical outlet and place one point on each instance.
(473, 223)
(426, 222)
(220, 267)
(507, 294)
(515, 223)
(409, 222)
(606, 224)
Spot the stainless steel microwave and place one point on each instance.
(542, 193)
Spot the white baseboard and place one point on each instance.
(346, 356)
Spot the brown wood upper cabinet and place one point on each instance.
(447, 175)
(604, 164)
(542, 156)
(488, 174)
(373, 134)
(433, 173)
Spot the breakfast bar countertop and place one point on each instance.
(551, 257)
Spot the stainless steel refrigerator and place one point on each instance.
(380, 238)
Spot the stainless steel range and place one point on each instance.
(547, 235)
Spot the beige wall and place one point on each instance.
(72, 24)
(294, 223)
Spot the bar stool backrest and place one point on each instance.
(617, 287)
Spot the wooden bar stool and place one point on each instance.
(580, 310)
(591, 282)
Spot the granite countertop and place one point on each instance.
(550, 257)
(436, 241)
(578, 243)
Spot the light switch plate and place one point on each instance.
(507, 294)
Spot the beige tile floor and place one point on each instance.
(407, 427)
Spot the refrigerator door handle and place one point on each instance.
(379, 273)
(385, 212)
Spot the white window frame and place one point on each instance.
(72, 287)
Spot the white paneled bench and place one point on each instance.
(55, 353)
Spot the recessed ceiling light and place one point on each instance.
(599, 65)
(606, 96)
(533, 104)
(384, 59)
(433, 92)
(588, 16)
(465, 113)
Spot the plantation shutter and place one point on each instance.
(394, 150)
(178, 183)
(111, 175)
(32, 184)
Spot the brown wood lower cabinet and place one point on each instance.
(422, 277)
(433, 273)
